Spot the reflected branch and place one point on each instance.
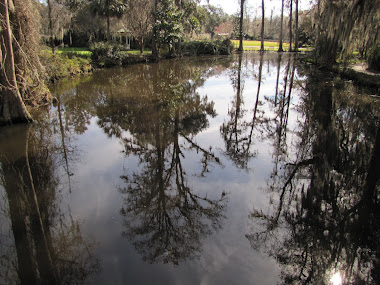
(325, 213)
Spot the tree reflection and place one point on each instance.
(325, 216)
(164, 217)
(276, 127)
(238, 131)
(49, 247)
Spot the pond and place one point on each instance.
(243, 169)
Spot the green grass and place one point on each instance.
(268, 45)
(76, 50)
(87, 52)
(137, 52)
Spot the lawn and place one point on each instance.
(137, 52)
(75, 50)
(247, 45)
(87, 52)
(268, 45)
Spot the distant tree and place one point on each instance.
(296, 30)
(241, 25)
(139, 18)
(280, 49)
(213, 17)
(108, 9)
(224, 28)
(155, 51)
(50, 17)
(290, 24)
(190, 20)
(168, 23)
(306, 31)
(262, 26)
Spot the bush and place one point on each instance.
(374, 59)
(207, 47)
(107, 54)
(64, 65)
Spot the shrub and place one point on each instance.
(64, 65)
(374, 59)
(107, 54)
(226, 47)
(207, 47)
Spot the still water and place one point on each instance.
(252, 169)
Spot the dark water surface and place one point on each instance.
(227, 170)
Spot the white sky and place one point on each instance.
(232, 6)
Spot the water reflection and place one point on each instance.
(157, 158)
(325, 211)
(157, 121)
(47, 245)
(237, 132)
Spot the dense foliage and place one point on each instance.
(374, 59)
(206, 47)
(343, 26)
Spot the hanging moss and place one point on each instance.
(345, 25)
(30, 73)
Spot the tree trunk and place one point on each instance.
(280, 49)
(12, 160)
(241, 25)
(296, 36)
(51, 35)
(178, 43)
(141, 45)
(12, 107)
(155, 52)
(108, 27)
(290, 25)
(262, 25)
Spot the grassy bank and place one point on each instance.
(70, 61)
(66, 63)
(268, 45)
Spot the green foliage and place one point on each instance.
(81, 51)
(168, 22)
(374, 59)
(190, 20)
(212, 17)
(65, 65)
(107, 54)
(115, 8)
(205, 47)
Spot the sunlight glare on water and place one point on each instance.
(336, 279)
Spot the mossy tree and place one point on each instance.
(12, 108)
(340, 22)
(21, 72)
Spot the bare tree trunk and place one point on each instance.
(51, 35)
(278, 78)
(155, 52)
(12, 161)
(141, 45)
(297, 35)
(241, 25)
(262, 25)
(280, 49)
(12, 107)
(290, 25)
